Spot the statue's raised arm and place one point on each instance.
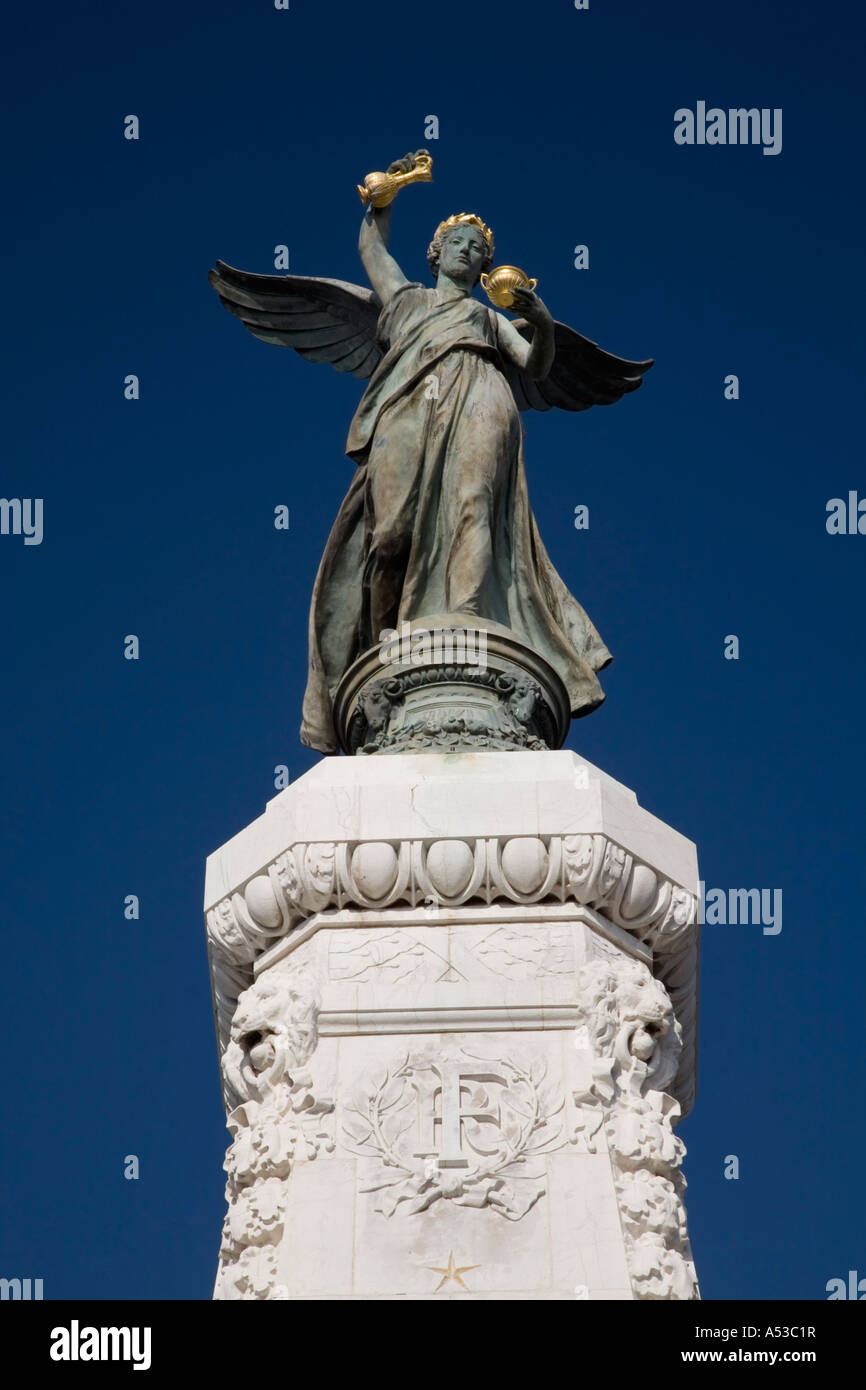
(383, 272)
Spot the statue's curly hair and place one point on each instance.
(434, 250)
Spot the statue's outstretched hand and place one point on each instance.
(528, 304)
(407, 163)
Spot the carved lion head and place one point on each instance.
(631, 1018)
(273, 1032)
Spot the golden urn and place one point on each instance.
(381, 189)
(501, 281)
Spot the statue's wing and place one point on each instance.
(583, 374)
(323, 320)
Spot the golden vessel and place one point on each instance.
(501, 281)
(381, 189)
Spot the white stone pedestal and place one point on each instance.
(456, 1003)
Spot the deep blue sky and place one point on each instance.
(707, 517)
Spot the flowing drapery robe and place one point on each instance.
(437, 517)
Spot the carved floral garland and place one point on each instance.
(636, 1042)
(279, 1123)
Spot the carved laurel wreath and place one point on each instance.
(531, 1125)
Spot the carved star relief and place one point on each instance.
(451, 1272)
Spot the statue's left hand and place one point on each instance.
(528, 304)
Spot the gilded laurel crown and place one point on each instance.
(459, 217)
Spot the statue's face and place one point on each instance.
(462, 255)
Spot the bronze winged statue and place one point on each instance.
(437, 519)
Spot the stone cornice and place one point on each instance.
(588, 870)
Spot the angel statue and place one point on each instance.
(437, 517)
